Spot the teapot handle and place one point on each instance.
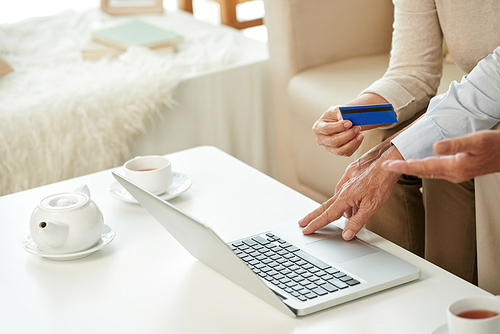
(82, 188)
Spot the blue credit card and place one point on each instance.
(367, 115)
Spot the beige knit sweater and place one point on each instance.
(471, 29)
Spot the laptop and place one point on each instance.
(296, 274)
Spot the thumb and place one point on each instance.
(355, 224)
(332, 114)
(453, 146)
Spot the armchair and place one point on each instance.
(324, 53)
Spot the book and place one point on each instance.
(137, 33)
(4, 68)
(95, 51)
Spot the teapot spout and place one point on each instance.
(53, 234)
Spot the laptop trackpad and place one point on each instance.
(339, 250)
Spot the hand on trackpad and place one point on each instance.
(339, 250)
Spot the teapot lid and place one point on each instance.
(64, 201)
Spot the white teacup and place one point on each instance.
(151, 172)
(475, 315)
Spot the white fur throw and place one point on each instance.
(62, 116)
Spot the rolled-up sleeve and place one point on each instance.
(415, 66)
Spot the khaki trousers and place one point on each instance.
(434, 219)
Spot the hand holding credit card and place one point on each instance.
(370, 114)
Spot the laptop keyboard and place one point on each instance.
(290, 268)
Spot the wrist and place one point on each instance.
(392, 153)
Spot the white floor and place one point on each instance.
(204, 10)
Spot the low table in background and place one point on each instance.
(229, 107)
(215, 91)
(145, 282)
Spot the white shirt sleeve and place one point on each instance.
(468, 106)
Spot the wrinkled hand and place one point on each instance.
(364, 188)
(359, 167)
(338, 136)
(462, 158)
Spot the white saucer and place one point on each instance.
(443, 329)
(180, 183)
(107, 236)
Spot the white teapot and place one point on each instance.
(67, 223)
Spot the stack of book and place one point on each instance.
(115, 40)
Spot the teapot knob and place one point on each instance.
(82, 188)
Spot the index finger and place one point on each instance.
(315, 213)
(322, 127)
(332, 213)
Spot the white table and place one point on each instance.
(145, 282)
